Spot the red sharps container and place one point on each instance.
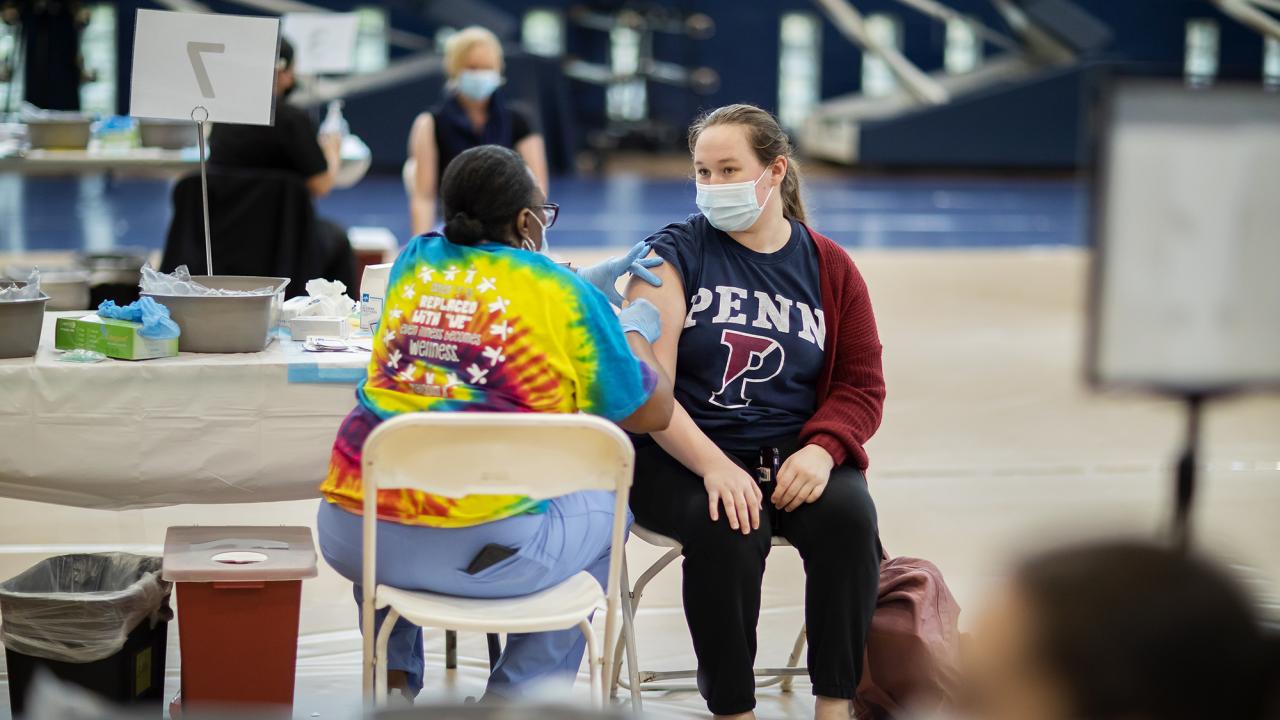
(238, 592)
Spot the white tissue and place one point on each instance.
(325, 298)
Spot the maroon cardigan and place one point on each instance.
(851, 384)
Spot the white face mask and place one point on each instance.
(733, 206)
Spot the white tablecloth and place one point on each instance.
(190, 429)
(40, 162)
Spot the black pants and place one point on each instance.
(836, 537)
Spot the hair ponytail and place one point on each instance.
(770, 142)
(463, 229)
(792, 204)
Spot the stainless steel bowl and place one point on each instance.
(167, 134)
(67, 287)
(58, 133)
(120, 267)
(21, 322)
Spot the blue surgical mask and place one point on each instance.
(478, 84)
(733, 206)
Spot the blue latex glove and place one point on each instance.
(604, 276)
(642, 317)
(156, 323)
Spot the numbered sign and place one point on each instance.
(322, 42)
(1187, 250)
(223, 63)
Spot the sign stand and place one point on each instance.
(1185, 474)
(194, 65)
(204, 182)
(1182, 304)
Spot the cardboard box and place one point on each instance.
(373, 291)
(113, 338)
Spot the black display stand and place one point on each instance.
(1185, 475)
(1149, 330)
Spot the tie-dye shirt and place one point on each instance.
(485, 328)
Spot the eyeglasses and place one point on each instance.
(550, 212)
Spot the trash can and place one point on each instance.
(238, 591)
(98, 621)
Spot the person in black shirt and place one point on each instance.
(474, 112)
(291, 145)
(50, 33)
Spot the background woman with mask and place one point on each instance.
(514, 333)
(473, 112)
(769, 335)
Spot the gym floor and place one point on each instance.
(992, 444)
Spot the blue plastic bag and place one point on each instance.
(156, 323)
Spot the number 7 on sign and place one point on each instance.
(194, 51)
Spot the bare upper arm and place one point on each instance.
(422, 148)
(534, 151)
(320, 184)
(669, 299)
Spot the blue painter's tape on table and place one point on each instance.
(310, 373)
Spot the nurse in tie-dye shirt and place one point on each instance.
(477, 319)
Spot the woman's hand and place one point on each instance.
(729, 485)
(330, 143)
(802, 478)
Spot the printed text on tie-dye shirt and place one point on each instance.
(486, 329)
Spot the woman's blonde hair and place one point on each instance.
(769, 140)
(461, 43)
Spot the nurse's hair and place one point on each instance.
(481, 194)
(461, 43)
(769, 140)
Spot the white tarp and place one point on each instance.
(196, 428)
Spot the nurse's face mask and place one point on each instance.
(732, 207)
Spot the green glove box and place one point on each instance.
(114, 338)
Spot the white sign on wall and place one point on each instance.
(322, 42)
(223, 63)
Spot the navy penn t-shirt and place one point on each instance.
(752, 345)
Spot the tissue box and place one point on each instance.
(373, 290)
(333, 327)
(113, 338)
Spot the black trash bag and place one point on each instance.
(81, 608)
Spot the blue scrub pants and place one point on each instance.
(571, 536)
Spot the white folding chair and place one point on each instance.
(637, 679)
(534, 454)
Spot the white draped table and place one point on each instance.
(196, 428)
